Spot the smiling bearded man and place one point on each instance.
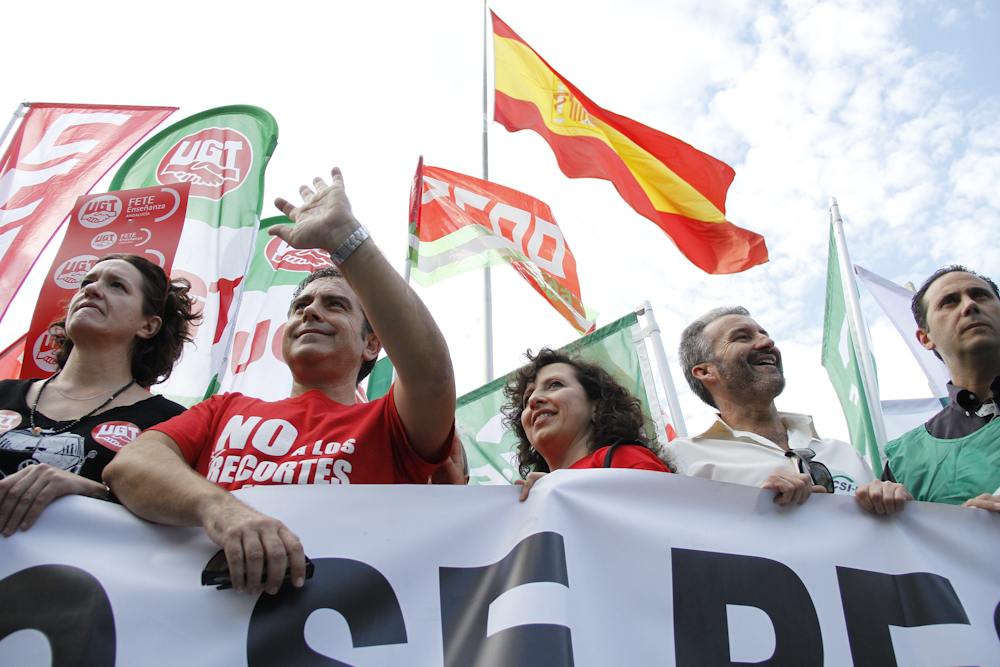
(732, 364)
(741, 378)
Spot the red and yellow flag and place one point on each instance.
(664, 179)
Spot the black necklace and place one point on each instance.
(40, 431)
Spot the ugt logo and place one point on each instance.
(280, 255)
(71, 272)
(100, 211)
(214, 160)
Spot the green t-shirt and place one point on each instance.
(947, 471)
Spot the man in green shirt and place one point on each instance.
(955, 457)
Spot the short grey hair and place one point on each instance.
(696, 348)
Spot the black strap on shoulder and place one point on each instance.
(611, 450)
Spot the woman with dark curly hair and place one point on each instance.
(122, 332)
(568, 413)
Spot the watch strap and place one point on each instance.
(350, 245)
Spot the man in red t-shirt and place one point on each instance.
(181, 472)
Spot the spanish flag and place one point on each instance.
(664, 179)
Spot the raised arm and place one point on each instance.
(152, 479)
(425, 389)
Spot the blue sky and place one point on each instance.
(890, 106)
(963, 29)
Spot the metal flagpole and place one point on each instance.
(418, 189)
(856, 323)
(486, 176)
(412, 236)
(18, 113)
(652, 330)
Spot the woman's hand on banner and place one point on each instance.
(526, 484)
(26, 493)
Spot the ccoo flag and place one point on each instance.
(222, 153)
(460, 223)
(676, 186)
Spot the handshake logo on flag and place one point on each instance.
(282, 256)
(214, 160)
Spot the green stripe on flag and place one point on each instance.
(457, 238)
(463, 250)
(842, 366)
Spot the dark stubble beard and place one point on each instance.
(741, 378)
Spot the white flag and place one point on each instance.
(895, 301)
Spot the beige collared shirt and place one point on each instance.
(743, 457)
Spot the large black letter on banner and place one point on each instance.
(68, 606)
(357, 590)
(996, 620)
(466, 594)
(873, 601)
(705, 582)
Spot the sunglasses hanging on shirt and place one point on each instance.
(819, 473)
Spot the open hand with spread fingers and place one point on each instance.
(323, 220)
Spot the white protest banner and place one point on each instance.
(597, 567)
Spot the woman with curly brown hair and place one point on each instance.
(568, 413)
(122, 332)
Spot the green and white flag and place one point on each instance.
(842, 366)
(619, 347)
(380, 379)
(222, 153)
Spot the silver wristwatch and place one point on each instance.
(350, 245)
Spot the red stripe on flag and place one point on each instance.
(503, 30)
(709, 176)
(578, 157)
(704, 173)
(714, 247)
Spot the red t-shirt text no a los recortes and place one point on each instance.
(237, 441)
